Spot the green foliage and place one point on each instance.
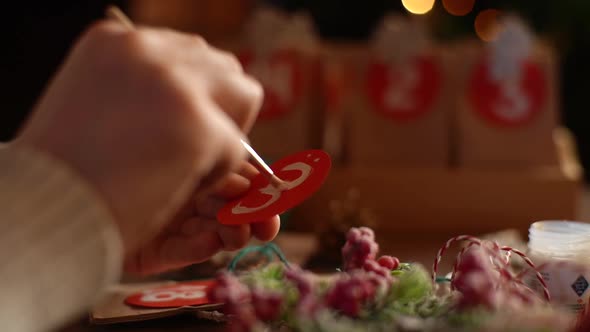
(412, 285)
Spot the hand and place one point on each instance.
(195, 235)
(149, 117)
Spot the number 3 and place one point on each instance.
(275, 193)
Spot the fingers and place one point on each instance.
(266, 230)
(240, 97)
(248, 170)
(232, 237)
(221, 145)
(197, 240)
(238, 94)
(232, 186)
(174, 252)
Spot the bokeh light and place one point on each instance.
(418, 6)
(487, 25)
(458, 7)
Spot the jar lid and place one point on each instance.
(560, 238)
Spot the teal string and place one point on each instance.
(442, 279)
(268, 251)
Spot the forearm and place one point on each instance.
(58, 245)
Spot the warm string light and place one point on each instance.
(418, 6)
(487, 25)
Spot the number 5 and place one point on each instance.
(514, 104)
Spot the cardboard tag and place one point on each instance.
(192, 293)
(112, 307)
(403, 92)
(303, 174)
(511, 102)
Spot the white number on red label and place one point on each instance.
(178, 293)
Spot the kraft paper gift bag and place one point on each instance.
(281, 51)
(507, 108)
(398, 113)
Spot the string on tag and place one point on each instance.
(513, 46)
(267, 251)
(499, 256)
(399, 39)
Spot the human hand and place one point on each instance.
(150, 118)
(195, 234)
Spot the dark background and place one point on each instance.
(41, 33)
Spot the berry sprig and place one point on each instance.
(360, 246)
(379, 291)
(236, 299)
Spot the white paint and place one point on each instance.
(398, 97)
(513, 103)
(274, 192)
(178, 293)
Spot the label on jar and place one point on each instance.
(569, 285)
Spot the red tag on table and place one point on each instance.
(281, 77)
(303, 174)
(403, 93)
(193, 293)
(508, 103)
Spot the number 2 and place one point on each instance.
(398, 97)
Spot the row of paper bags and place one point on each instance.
(401, 100)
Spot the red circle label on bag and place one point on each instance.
(281, 77)
(403, 93)
(303, 174)
(511, 102)
(191, 293)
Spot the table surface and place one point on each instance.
(297, 248)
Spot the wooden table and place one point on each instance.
(408, 247)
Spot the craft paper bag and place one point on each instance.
(282, 53)
(507, 103)
(398, 114)
(337, 74)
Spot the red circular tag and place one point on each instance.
(510, 103)
(403, 93)
(280, 76)
(303, 174)
(191, 293)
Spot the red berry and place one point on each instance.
(235, 297)
(388, 262)
(360, 246)
(267, 304)
(353, 235)
(349, 294)
(302, 280)
(366, 231)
